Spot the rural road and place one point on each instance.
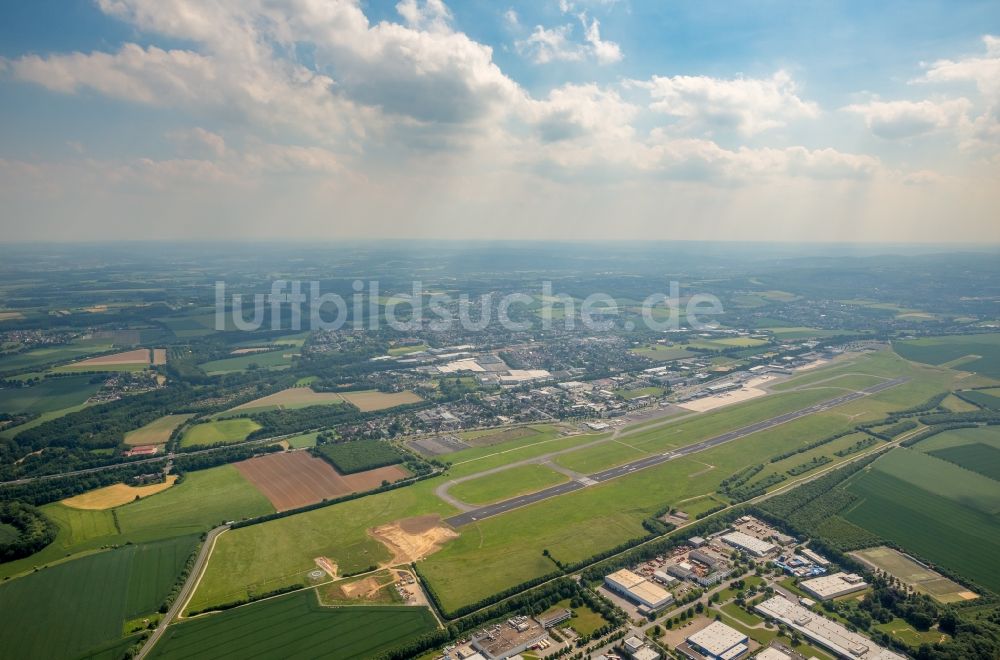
(194, 576)
(489, 510)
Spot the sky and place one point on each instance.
(546, 119)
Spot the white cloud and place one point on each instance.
(905, 119)
(556, 44)
(510, 16)
(747, 105)
(983, 71)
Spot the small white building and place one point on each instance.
(750, 544)
(833, 586)
(719, 642)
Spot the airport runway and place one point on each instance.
(643, 463)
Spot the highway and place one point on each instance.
(650, 461)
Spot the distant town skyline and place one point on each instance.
(561, 119)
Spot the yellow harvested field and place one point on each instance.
(156, 432)
(10, 316)
(369, 400)
(116, 495)
(159, 356)
(138, 356)
(297, 397)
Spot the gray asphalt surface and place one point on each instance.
(643, 463)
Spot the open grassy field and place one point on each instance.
(66, 610)
(978, 457)
(913, 574)
(224, 431)
(801, 332)
(369, 400)
(937, 529)
(116, 495)
(134, 360)
(909, 635)
(726, 342)
(944, 479)
(939, 350)
(281, 552)
(661, 353)
(295, 626)
(39, 357)
(585, 620)
(49, 395)
(509, 483)
(204, 499)
(279, 359)
(292, 397)
(987, 435)
(983, 399)
(156, 432)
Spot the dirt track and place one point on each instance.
(296, 478)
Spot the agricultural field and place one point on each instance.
(982, 351)
(116, 495)
(279, 359)
(914, 575)
(509, 483)
(987, 399)
(82, 604)
(40, 357)
(727, 342)
(978, 457)
(282, 552)
(369, 400)
(156, 432)
(360, 455)
(134, 360)
(293, 397)
(295, 626)
(661, 353)
(49, 395)
(219, 431)
(297, 478)
(926, 521)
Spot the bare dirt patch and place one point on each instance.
(258, 349)
(138, 356)
(327, 565)
(297, 478)
(412, 539)
(159, 356)
(116, 495)
(375, 400)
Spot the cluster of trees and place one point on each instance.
(934, 430)
(862, 444)
(35, 531)
(810, 446)
(809, 465)
(203, 461)
(359, 455)
(43, 491)
(890, 432)
(738, 488)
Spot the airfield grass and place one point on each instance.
(955, 404)
(219, 431)
(202, 500)
(279, 359)
(938, 529)
(66, 610)
(280, 552)
(516, 481)
(660, 353)
(50, 395)
(939, 350)
(156, 432)
(295, 626)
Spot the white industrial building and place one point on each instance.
(751, 544)
(719, 642)
(823, 631)
(638, 589)
(833, 586)
(771, 653)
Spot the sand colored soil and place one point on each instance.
(294, 396)
(115, 495)
(138, 356)
(297, 478)
(412, 539)
(327, 565)
(258, 349)
(375, 400)
(159, 356)
(361, 588)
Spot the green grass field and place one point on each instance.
(280, 552)
(49, 395)
(943, 479)
(295, 626)
(983, 399)
(509, 483)
(801, 332)
(224, 431)
(279, 359)
(978, 457)
(935, 528)
(66, 610)
(939, 350)
(204, 499)
(156, 432)
(40, 357)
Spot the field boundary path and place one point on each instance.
(473, 515)
(187, 590)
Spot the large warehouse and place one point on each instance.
(754, 546)
(719, 642)
(832, 586)
(638, 589)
